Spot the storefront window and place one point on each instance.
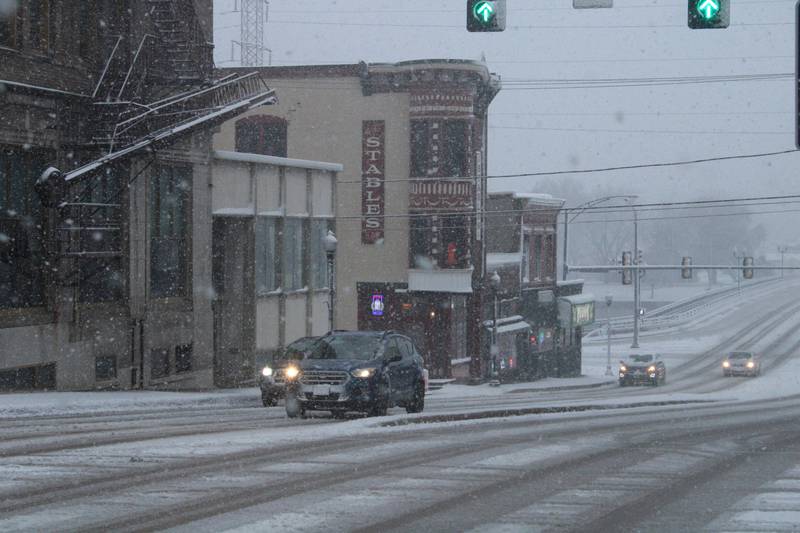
(318, 259)
(537, 257)
(266, 257)
(420, 242)
(264, 135)
(455, 153)
(169, 243)
(8, 28)
(102, 279)
(292, 254)
(21, 251)
(420, 148)
(439, 148)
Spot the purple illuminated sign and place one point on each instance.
(377, 305)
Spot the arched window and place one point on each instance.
(262, 134)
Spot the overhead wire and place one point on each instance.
(656, 206)
(590, 170)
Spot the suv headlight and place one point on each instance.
(623, 368)
(750, 364)
(363, 373)
(726, 364)
(292, 372)
(266, 371)
(652, 368)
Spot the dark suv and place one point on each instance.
(365, 371)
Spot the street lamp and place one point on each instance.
(578, 211)
(637, 277)
(330, 242)
(495, 284)
(609, 301)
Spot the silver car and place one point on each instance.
(741, 364)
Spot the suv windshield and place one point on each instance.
(641, 358)
(740, 355)
(362, 347)
(297, 350)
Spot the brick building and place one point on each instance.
(412, 140)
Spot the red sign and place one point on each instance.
(373, 173)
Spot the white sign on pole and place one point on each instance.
(590, 4)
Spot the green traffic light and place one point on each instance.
(484, 11)
(707, 9)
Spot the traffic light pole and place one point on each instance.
(636, 280)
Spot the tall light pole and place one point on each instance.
(330, 242)
(636, 279)
(578, 211)
(495, 283)
(609, 301)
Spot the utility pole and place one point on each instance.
(636, 280)
(566, 234)
(609, 301)
(254, 16)
(782, 250)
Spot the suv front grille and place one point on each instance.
(279, 376)
(323, 377)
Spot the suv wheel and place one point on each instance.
(380, 404)
(417, 404)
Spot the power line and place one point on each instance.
(657, 206)
(592, 170)
(617, 220)
(624, 113)
(667, 132)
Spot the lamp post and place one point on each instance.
(495, 284)
(578, 211)
(636, 278)
(609, 301)
(330, 242)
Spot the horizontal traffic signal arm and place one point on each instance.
(620, 268)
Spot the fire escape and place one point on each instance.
(150, 94)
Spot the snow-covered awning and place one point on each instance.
(243, 157)
(445, 280)
(499, 259)
(510, 327)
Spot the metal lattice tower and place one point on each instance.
(254, 17)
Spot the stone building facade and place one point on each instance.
(105, 266)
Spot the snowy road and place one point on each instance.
(701, 453)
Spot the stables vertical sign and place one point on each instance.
(373, 166)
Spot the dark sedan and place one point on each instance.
(272, 377)
(646, 369)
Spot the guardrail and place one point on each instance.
(673, 314)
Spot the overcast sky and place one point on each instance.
(558, 129)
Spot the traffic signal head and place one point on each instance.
(627, 274)
(686, 271)
(486, 15)
(747, 273)
(709, 14)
